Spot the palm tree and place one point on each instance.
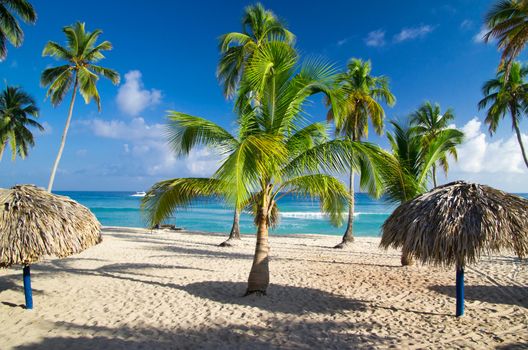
(430, 121)
(277, 153)
(507, 97)
(16, 111)
(361, 95)
(81, 53)
(258, 27)
(407, 170)
(9, 27)
(507, 21)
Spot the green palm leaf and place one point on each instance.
(165, 196)
(10, 30)
(332, 194)
(16, 110)
(186, 132)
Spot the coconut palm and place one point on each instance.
(278, 152)
(407, 170)
(9, 27)
(507, 97)
(360, 98)
(430, 121)
(507, 21)
(17, 113)
(258, 26)
(80, 53)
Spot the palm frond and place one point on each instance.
(166, 196)
(332, 194)
(23, 9)
(9, 27)
(108, 73)
(186, 132)
(55, 50)
(88, 87)
(257, 158)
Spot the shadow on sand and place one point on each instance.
(293, 300)
(274, 335)
(511, 295)
(280, 298)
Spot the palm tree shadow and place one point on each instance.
(280, 298)
(8, 283)
(7, 303)
(511, 295)
(277, 334)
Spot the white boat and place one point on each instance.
(139, 194)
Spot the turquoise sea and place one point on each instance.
(298, 215)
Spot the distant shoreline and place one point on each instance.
(225, 234)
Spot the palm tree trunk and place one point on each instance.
(258, 280)
(434, 175)
(348, 237)
(519, 139)
(63, 140)
(234, 235)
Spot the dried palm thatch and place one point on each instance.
(35, 223)
(456, 223)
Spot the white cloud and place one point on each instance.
(479, 37)
(479, 155)
(136, 129)
(342, 42)
(375, 38)
(81, 152)
(413, 33)
(146, 147)
(466, 24)
(497, 163)
(133, 98)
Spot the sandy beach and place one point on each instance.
(167, 290)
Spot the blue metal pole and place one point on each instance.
(27, 287)
(460, 291)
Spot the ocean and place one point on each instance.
(297, 215)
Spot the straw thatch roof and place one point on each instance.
(35, 223)
(457, 222)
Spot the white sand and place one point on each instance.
(138, 290)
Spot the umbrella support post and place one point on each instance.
(27, 288)
(459, 291)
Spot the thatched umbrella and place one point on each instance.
(455, 224)
(35, 223)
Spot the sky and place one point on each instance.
(166, 53)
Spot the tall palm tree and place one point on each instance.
(407, 170)
(430, 121)
(258, 26)
(507, 97)
(17, 113)
(361, 96)
(507, 21)
(9, 27)
(278, 152)
(80, 53)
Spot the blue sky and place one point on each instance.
(167, 52)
